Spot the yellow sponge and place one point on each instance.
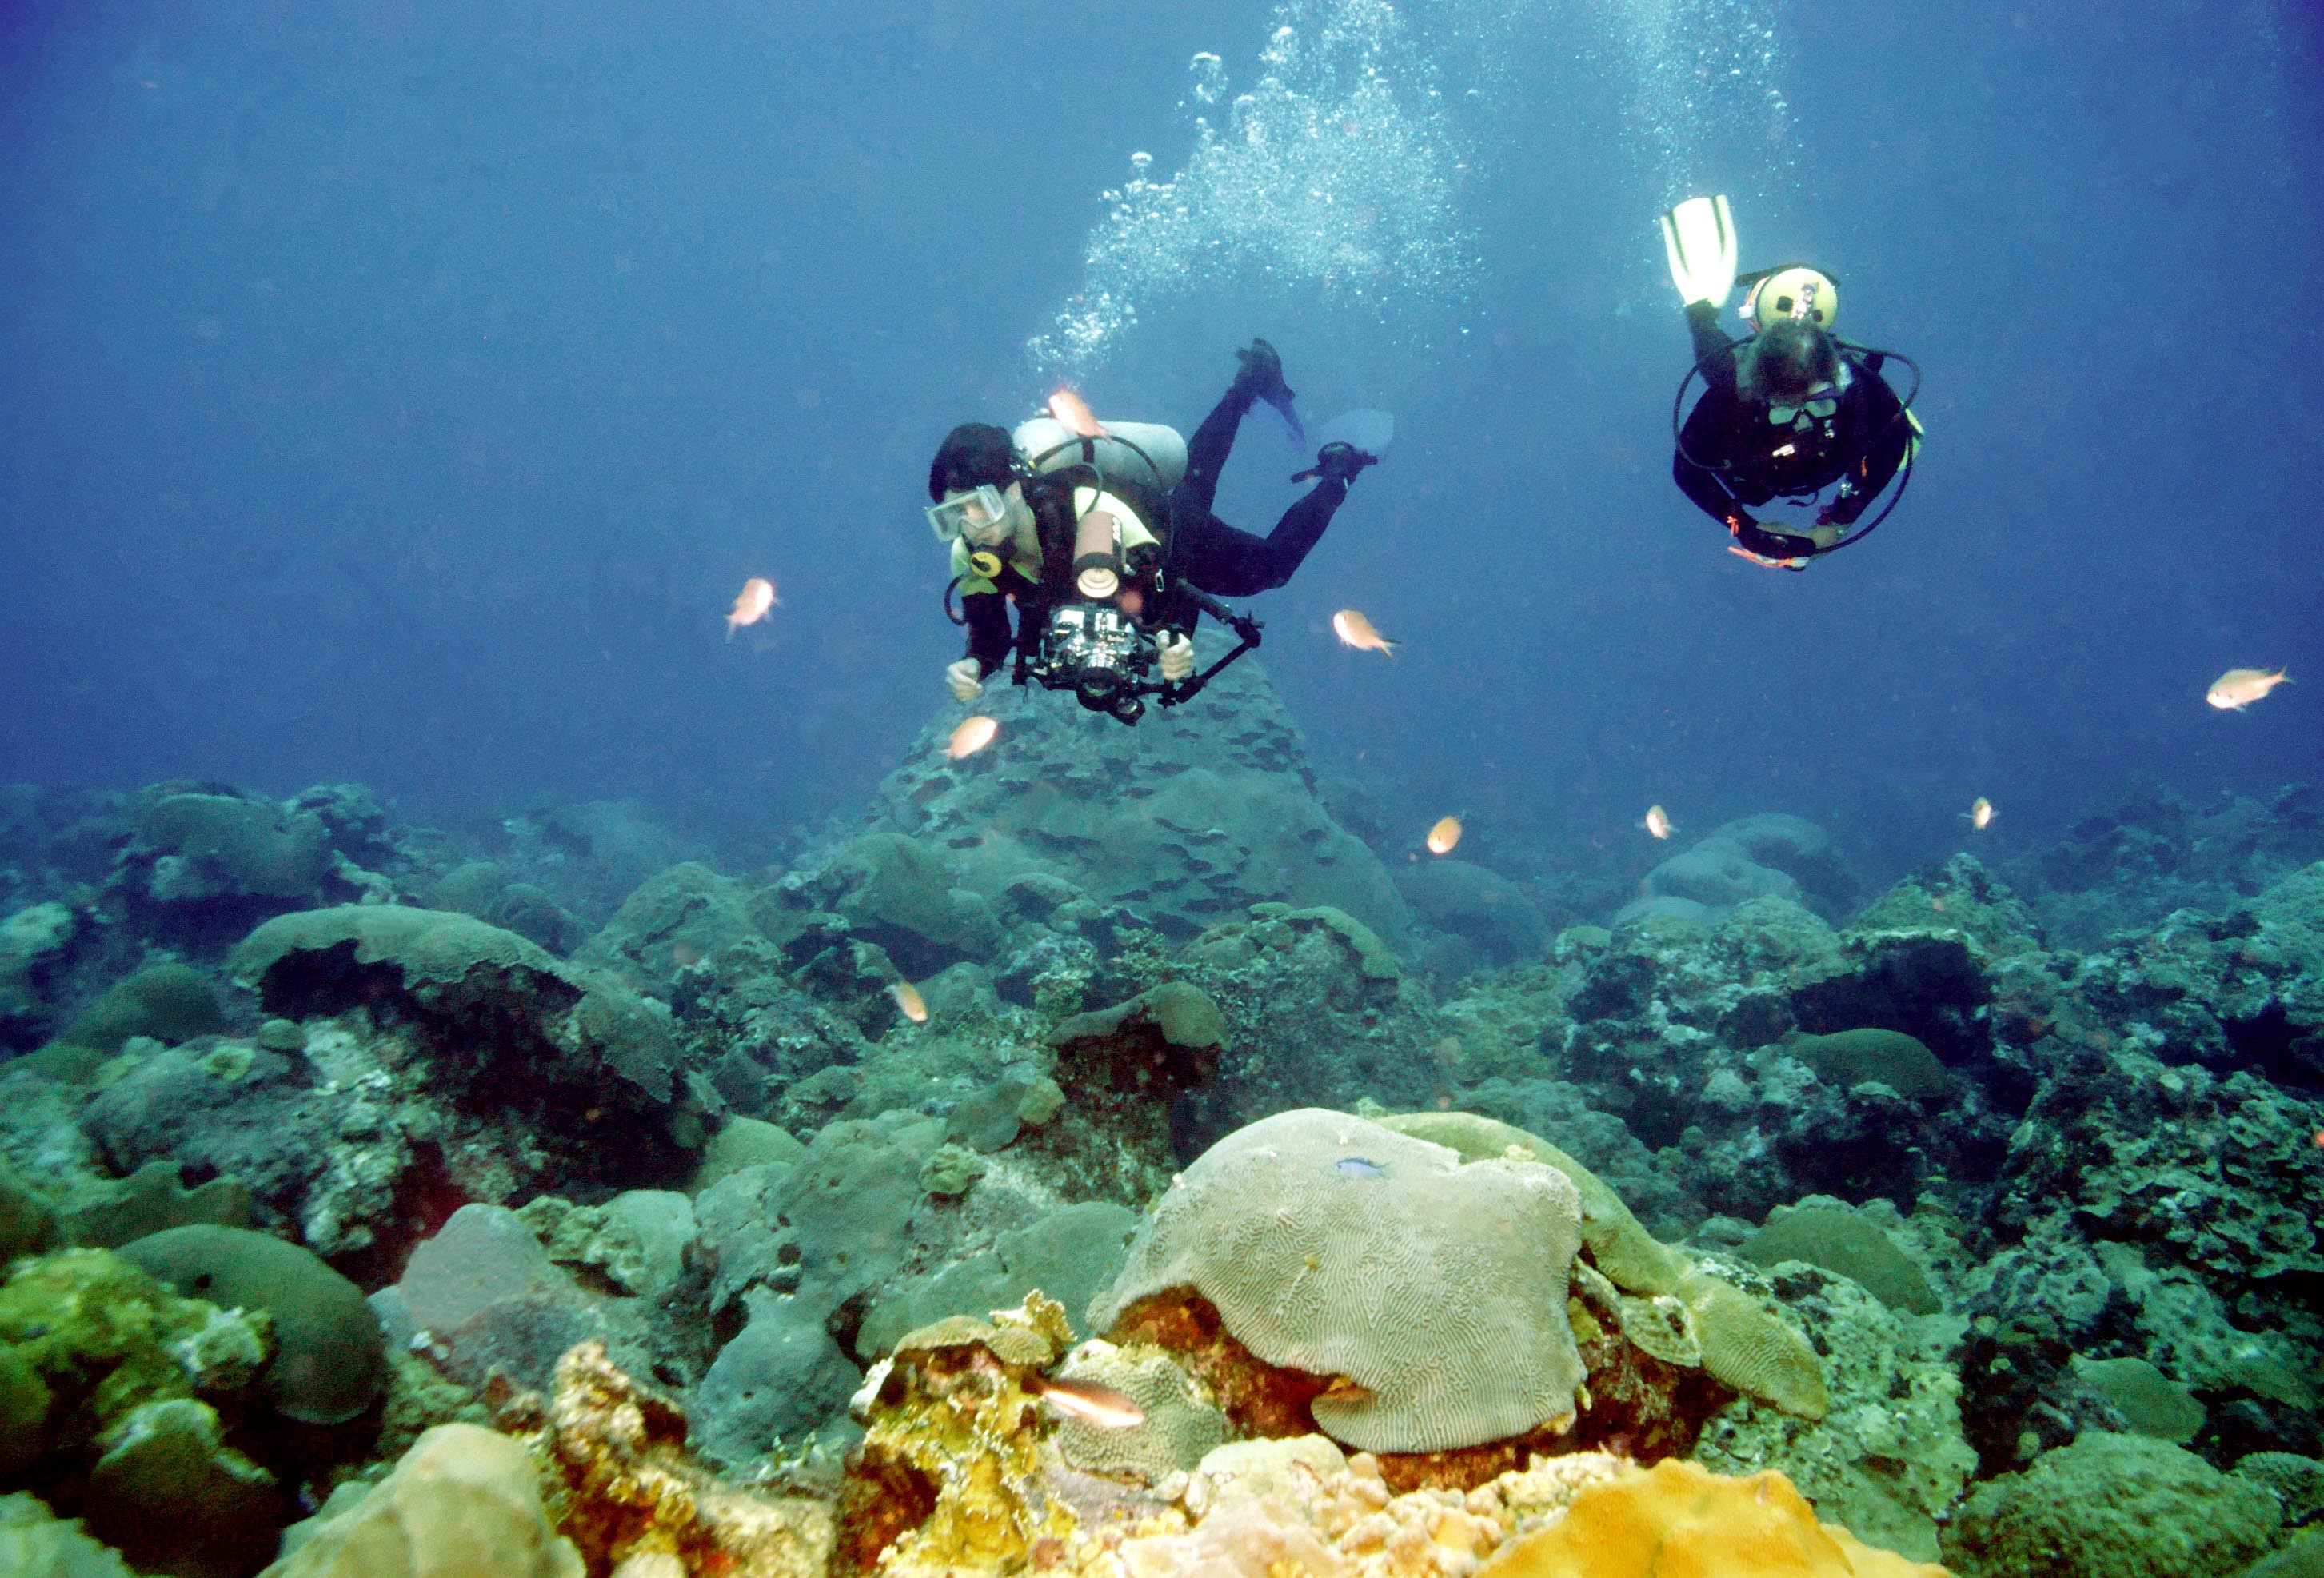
(1680, 1520)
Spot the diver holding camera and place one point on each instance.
(1100, 535)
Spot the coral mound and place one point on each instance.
(1676, 1520)
(1435, 1287)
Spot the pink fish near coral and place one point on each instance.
(1090, 1403)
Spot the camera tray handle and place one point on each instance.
(1246, 636)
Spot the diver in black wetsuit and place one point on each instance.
(1786, 413)
(1022, 537)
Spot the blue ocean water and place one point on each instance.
(401, 396)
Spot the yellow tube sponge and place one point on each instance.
(1679, 1520)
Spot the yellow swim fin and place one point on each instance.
(1700, 237)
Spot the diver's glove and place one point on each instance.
(1261, 377)
(1337, 461)
(1177, 654)
(964, 679)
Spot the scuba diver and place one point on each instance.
(1788, 411)
(1101, 536)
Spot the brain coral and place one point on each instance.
(1679, 1520)
(1436, 1288)
(1743, 1343)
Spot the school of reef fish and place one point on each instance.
(1125, 1152)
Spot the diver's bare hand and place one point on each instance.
(964, 679)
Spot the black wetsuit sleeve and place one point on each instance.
(1883, 417)
(1714, 360)
(986, 613)
(1714, 352)
(1701, 485)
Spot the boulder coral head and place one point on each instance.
(592, 1068)
(1430, 1290)
(330, 1361)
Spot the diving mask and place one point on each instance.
(1821, 402)
(980, 515)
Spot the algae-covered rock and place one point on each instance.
(90, 1345)
(1888, 1459)
(2113, 1507)
(36, 1543)
(28, 1218)
(172, 1497)
(35, 943)
(1957, 894)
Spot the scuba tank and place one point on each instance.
(1146, 452)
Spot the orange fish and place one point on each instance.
(908, 999)
(1354, 629)
(1091, 1404)
(2237, 689)
(1444, 836)
(972, 735)
(1073, 411)
(1658, 822)
(1981, 813)
(758, 595)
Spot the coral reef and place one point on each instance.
(572, 1106)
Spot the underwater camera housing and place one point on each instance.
(1104, 657)
(1093, 650)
